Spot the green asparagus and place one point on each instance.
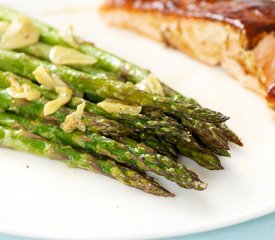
(122, 146)
(160, 146)
(138, 156)
(23, 140)
(94, 123)
(25, 65)
(138, 122)
(182, 138)
(100, 86)
(42, 51)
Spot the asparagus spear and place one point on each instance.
(27, 141)
(15, 62)
(208, 133)
(109, 62)
(189, 179)
(139, 122)
(160, 146)
(136, 157)
(94, 123)
(42, 51)
(231, 136)
(204, 158)
(99, 86)
(50, 35)
(35, 110)
(227, 132)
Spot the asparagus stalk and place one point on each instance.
(108, 62)
(227, 132)
(24, 65)
(208, 133)
(139, 122)
(26, 141)
(94, 123)
(160, 146)
(35, 110)
(189, 178)
(203, 156)
(231, 136)
(98, 85)
(136, 157)
(42, 51)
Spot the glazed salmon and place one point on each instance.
(237, 34)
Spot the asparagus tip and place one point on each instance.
(200, 186)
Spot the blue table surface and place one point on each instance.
(259, 229)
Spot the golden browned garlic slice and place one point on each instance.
(151, 85)
(46, 79)
(23, 91)
(68, 56)
(117, 106)
(73, 121)
(64, 96)
(20, 33)
(67, 34)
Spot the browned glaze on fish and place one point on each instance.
(254, 16)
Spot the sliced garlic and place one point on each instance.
(151, 85)
(73, 121)
(67, 34)
(64, 96)
(47, 80)
(68, 56)
(3, 27)
(20, 33)
(23, 91)
(117, 106)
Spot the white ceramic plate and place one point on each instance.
(43, 198)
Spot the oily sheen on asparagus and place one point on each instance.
(64, 98)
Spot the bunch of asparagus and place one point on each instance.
(121, 145)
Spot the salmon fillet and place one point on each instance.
(239, 35)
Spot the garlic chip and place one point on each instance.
(23, 91)
(68, 56)
(46, 79)
(73, 121)
(151, 85)
(20, 33)
(117, 106)
(64, 96)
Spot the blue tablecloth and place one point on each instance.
(260, 229)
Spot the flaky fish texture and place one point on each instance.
(237, 34)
